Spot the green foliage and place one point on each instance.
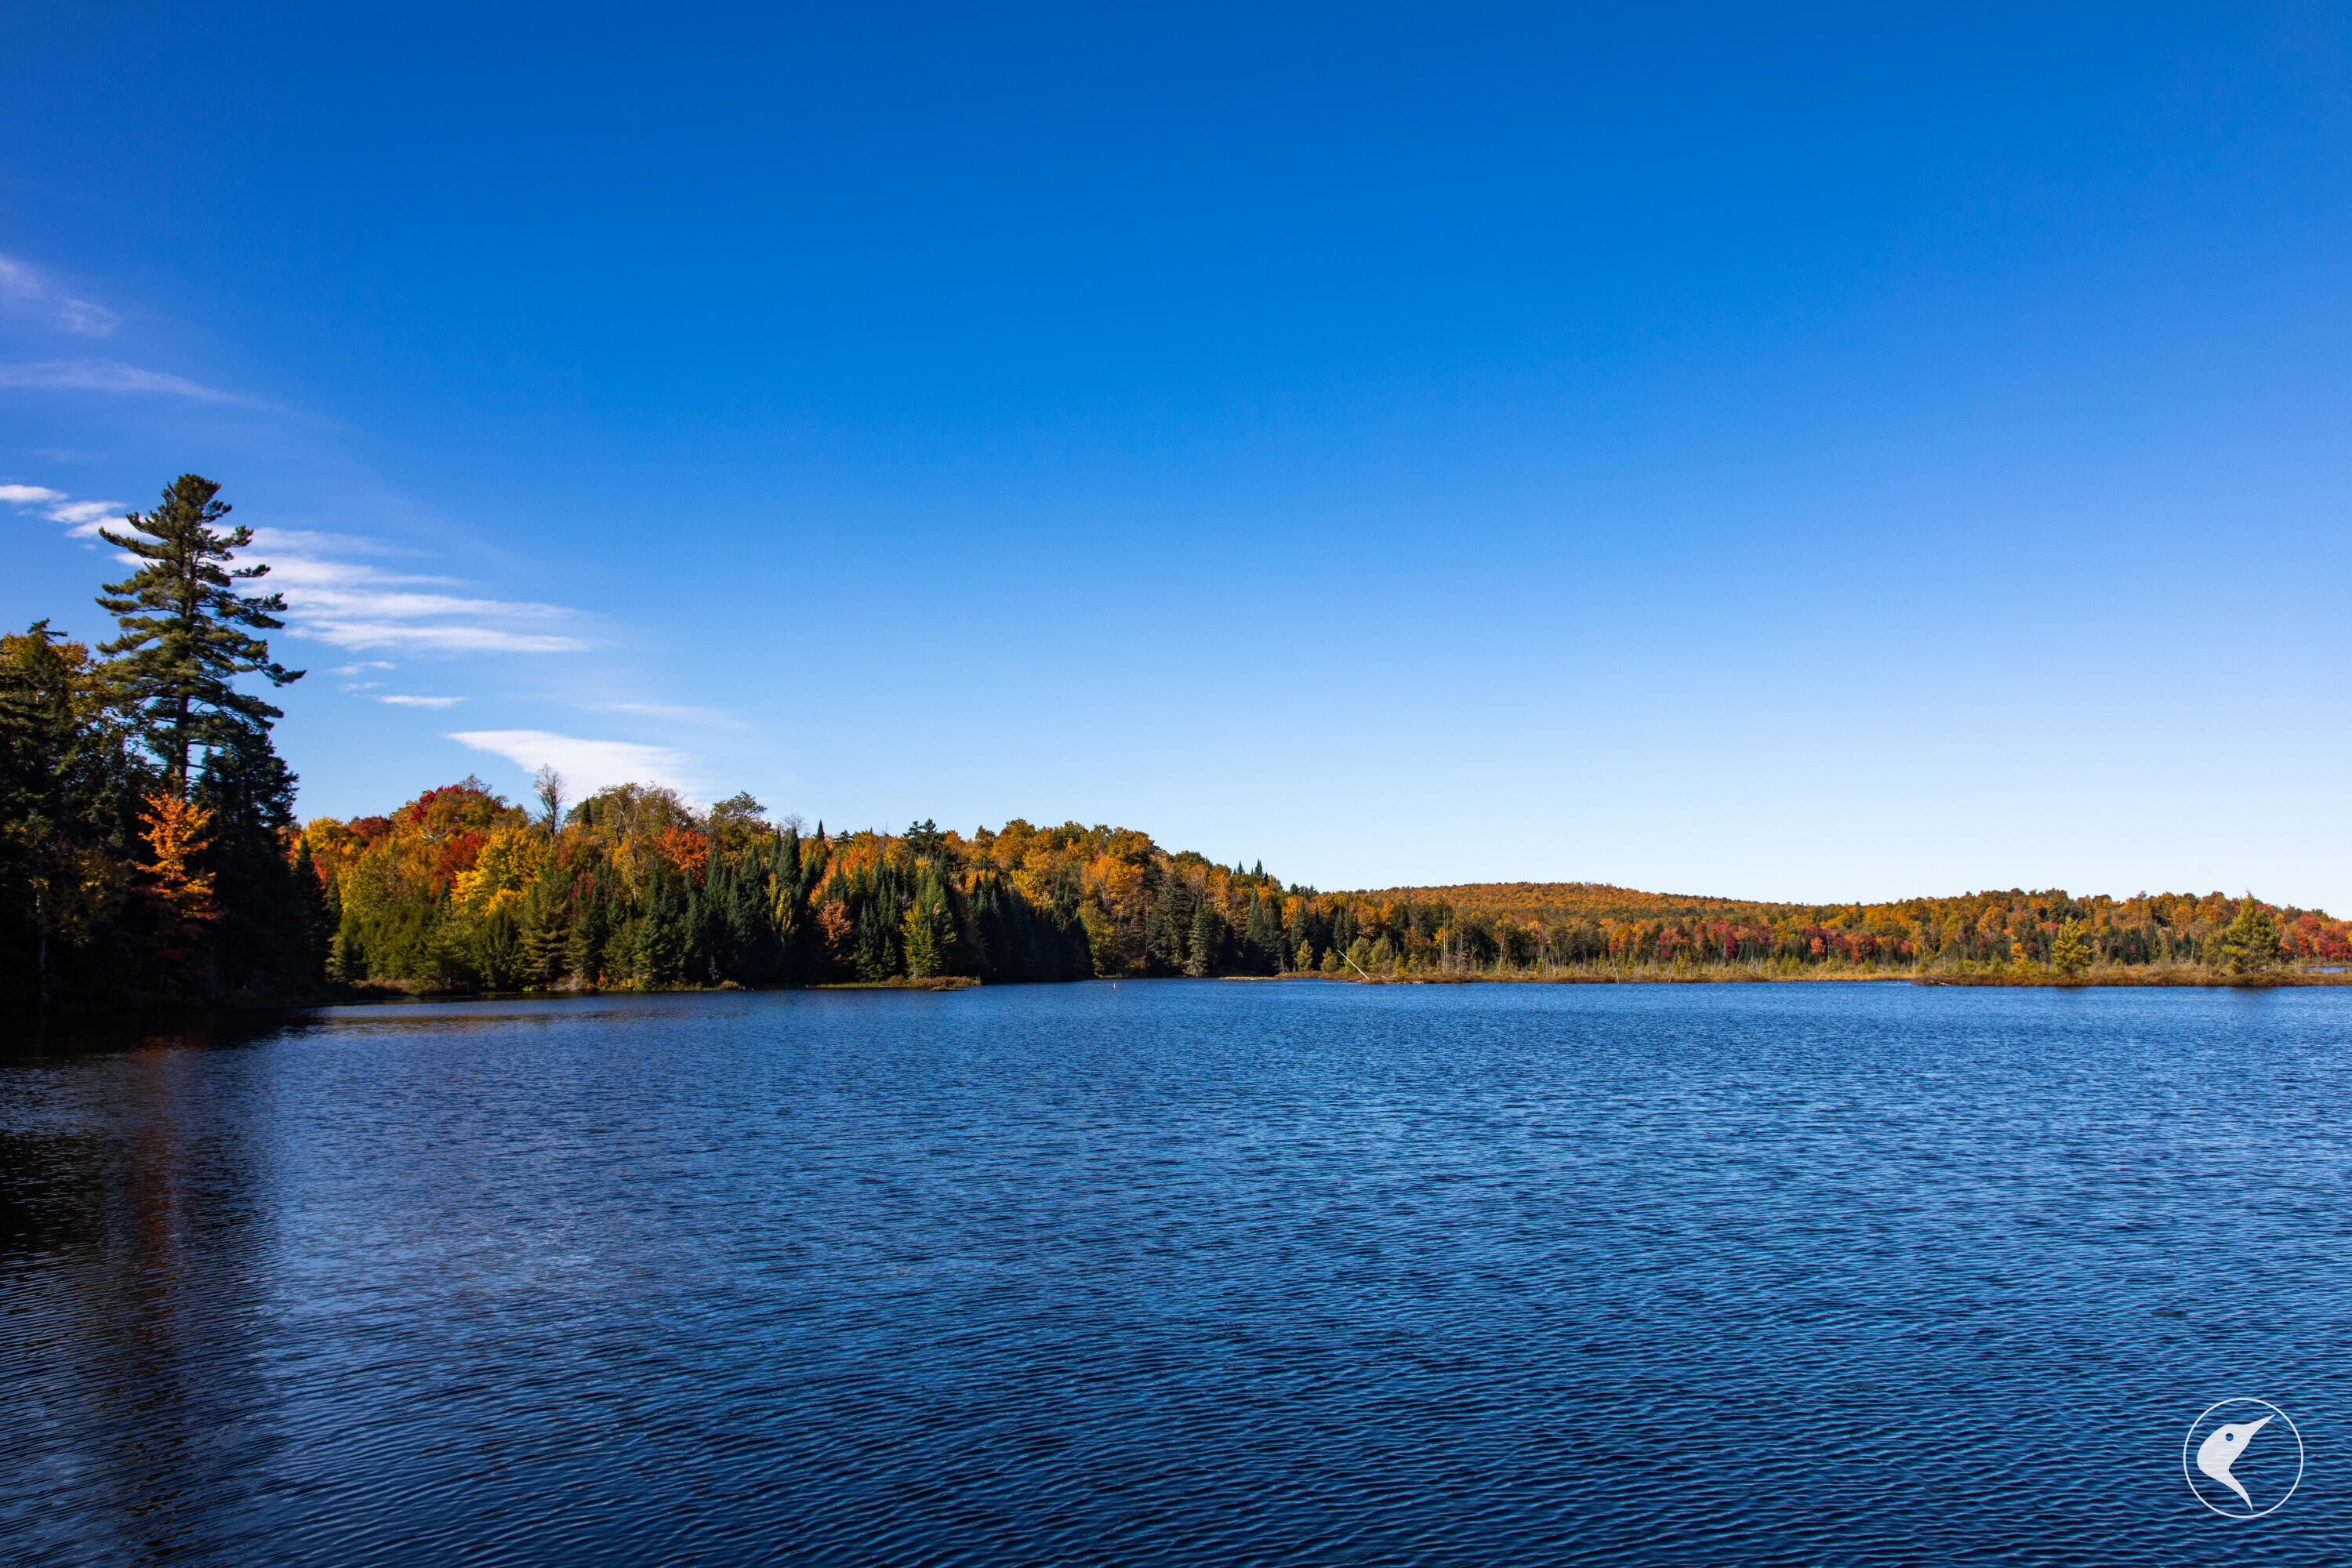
(928, 929)
(272, 936)
(2070, 950)
(1204, 949)
(69, 791)
(2250, 943)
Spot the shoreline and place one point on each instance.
(382, 994)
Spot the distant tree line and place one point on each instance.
(634, 888)
(1539, 926)
(149, 855)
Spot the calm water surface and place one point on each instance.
(1180, 1272)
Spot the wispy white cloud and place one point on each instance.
(588, 765)
(313, 541)
(362, 664)
(360, 605)
(421, 701)
(87, 516)
(84, 518)
(25, 288)
(401, 603)
(432, 639)
(90, 320)
(108, 376)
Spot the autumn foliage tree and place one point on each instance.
(178, 895)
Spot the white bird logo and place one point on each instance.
(2221, 1450)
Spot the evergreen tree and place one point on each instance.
(1205, 950)
(661, 935)
(592, 927)
(875, 956)
(1263, 937)
(2069, 952)
(68, 795)
(928, 929)
(545, 928)
(185, 629)
(2250, 942)
(754, 954)
(1167, 925)
(273, 918)
(704, 925)
(499, 959)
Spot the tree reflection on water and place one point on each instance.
(129, 1286)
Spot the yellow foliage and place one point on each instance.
(512, 857)
(175, 831)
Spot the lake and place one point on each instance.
(1182, 1272)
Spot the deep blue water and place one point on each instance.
(1187, 1272)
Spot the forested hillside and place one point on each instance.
(1575, 922)
(634, 888)
(149, 856)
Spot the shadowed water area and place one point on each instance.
(1181, 1271)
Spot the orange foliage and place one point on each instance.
(835, 929)
(175, 831)
(683, 847)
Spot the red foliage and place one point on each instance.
(687, 850)
(455, 855)
(452, 809)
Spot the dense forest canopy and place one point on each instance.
(635, 888)
(149, 855)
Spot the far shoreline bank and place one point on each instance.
(378, 994)
(2113, 979)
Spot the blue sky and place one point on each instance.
(1820, 455)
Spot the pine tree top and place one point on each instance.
(186, 627)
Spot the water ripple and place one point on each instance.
(1200, 1273)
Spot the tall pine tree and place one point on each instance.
(186, 630)
(186, 634)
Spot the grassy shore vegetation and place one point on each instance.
(149, 856)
